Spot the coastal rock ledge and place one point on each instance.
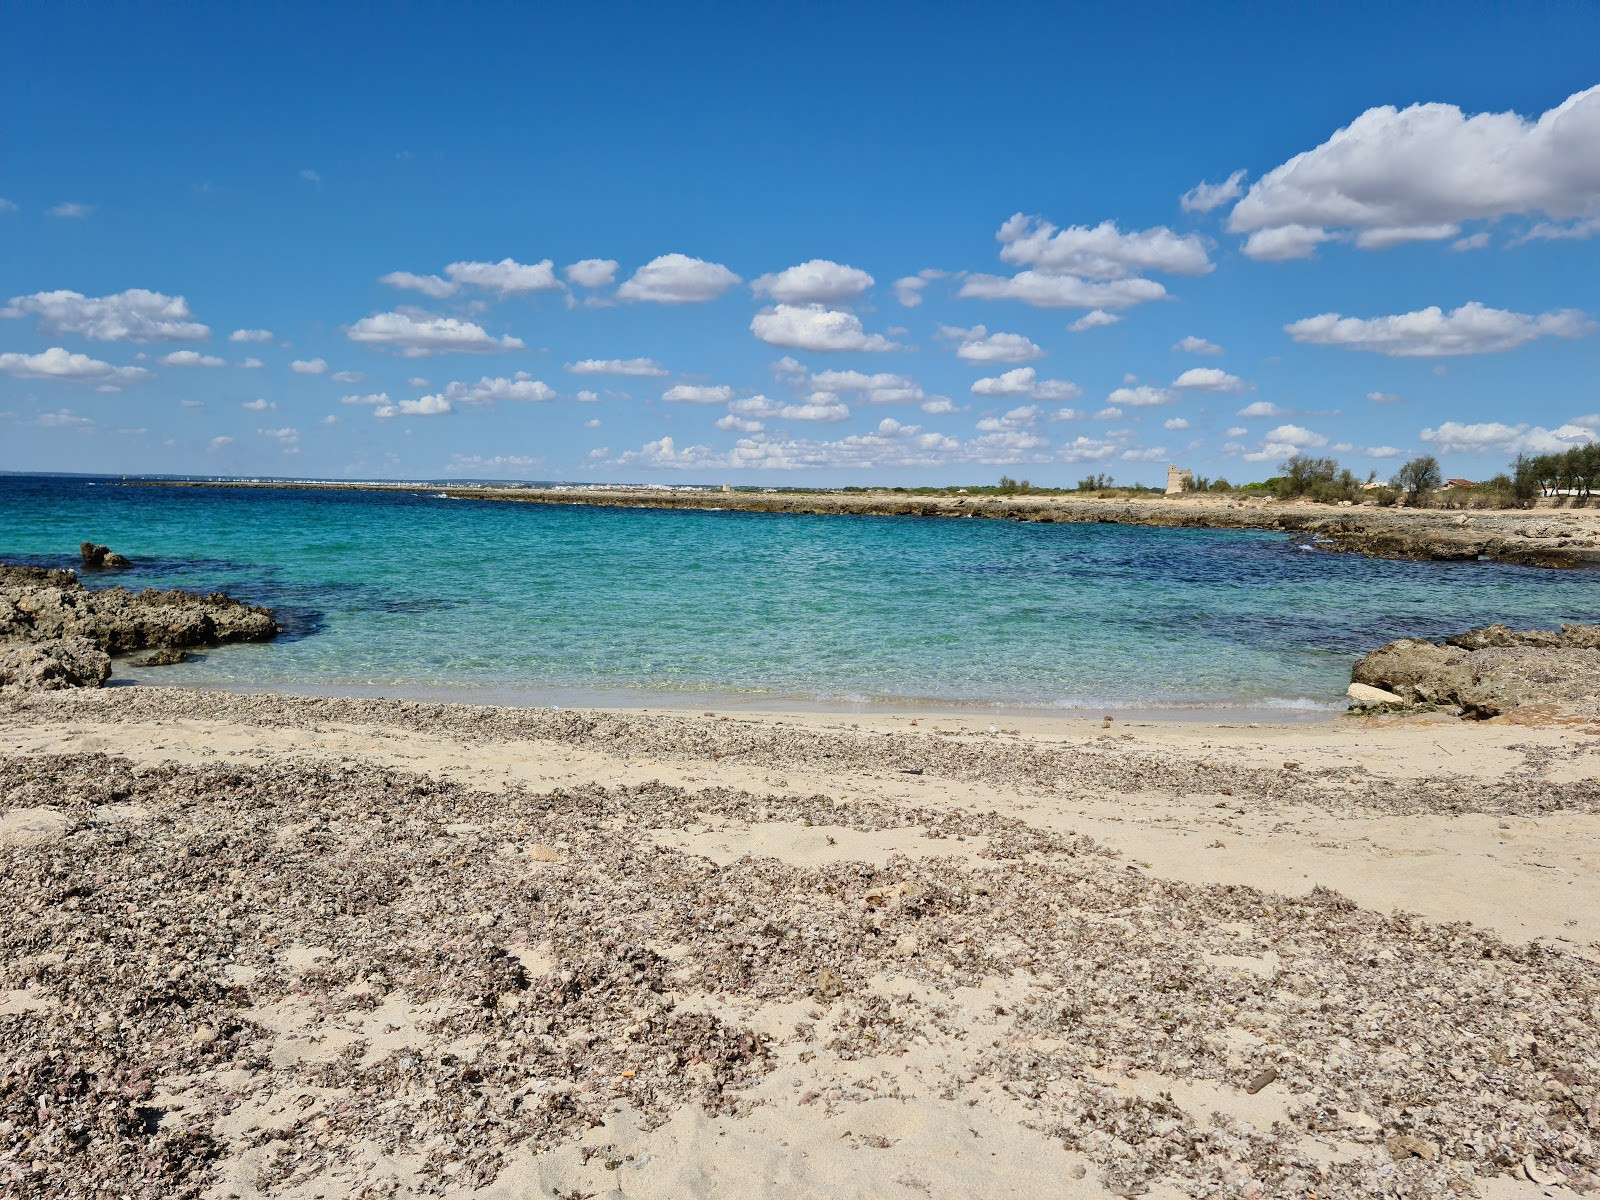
(1488, 672)
(55, 633)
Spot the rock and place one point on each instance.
(165, 656)
(1407, 1145)
(1366, 696)
(53, 664)
(97, 556)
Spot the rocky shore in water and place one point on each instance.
(56, 633)
(1539, 537)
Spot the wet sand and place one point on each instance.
(286, 947)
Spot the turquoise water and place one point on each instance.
(405, 593)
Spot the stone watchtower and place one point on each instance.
(1178, 480)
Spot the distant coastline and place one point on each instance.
(1539, 537)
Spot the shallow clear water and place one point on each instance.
(392, 593)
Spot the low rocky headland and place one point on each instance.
(1545, 536)
(56, 633)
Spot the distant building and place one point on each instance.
(1178, 480)
(1457, 483)
(727, 487)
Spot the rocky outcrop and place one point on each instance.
(1491, 671)
(49, 666)
(55, 632)
(96, 557)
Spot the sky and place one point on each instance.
(829, 244)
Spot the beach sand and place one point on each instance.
(288, 947)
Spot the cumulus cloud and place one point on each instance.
(1196, 345)
(519, 387)
(309, 366)
(1175, 423)
(587, 397)
(250, 335)
(819, 281)
(1085, 449)
(57, 363)
(908, 291)
(1384, 398)
(1261, 408)
(422, 406)
(1142, 396)
(1109, 413)
(506, 277)
(879, 388)
(376, 398)
(939, 406)
(219, 443)
(735, 424)
(258, 405)
(1042, 290)
(1095, 319)
(978, 345)
(428, 285)
(417, 336)
(288, 438)
(1430, 332)
(347, 376)
(813, 327)
(135, 315)
(1204, 197)
(819, 406)
(1284, 442)
(1025, 417)
(677, 279)
(1396, 175)
(691, 393)
(1101, 251)
(592, 272)
(1453, 437)
(1210, 379)
(252, 364)
(1024, 381)
(70, 210)
(617, 366)
(191, 358)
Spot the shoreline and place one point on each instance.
(1545, 537)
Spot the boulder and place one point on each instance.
(1365, 696)
(170, 656)
(54, 664)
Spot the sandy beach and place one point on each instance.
(274, 946)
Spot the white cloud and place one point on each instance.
(347, 377)
(135, 315)
(64, 418)
(1101, 251)
(1174, 423)
(1094, 319)
(820, 406)
(57, 363)
(218, 443)
(819, 281)
(1024, 381)
(376, 398)
(191, 358)
(1025, 417)
(1204, 197)
(520, 387)
(813, 327)
(191, 403)
(1043, 290)
(735, 424)
(1109, 413)
(1196, 345)
(309, 175)
(330, 419)
(1384, 398)
(1065, 414)
(506, 277)
(677, 279)
(880, 388)
(1285, 441)
(309, 366)
(593, 423)
(288, 438)
(908, 291)
(587, 397)
(1261, 408)
(1284, 242)
(428, 285)
(1086, 449)
(415, 337)
(1453, 437)
(939, 406)
(7, 206)
(1475, 241)
(1395, 175)
(1210, 379)
(1238, 431)
(691, 393)
(1429, 333)
(258, 405)
(250, 335)
(1545, 231)
(591, 272)
(1382, 451)
(508, 464)
(978, 345)
(617, 366)
(422, 406)
(1142, 396)
(1145, 454)
(70, 210)
(252, 364)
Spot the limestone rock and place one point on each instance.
(52, 665)
(1366, 696)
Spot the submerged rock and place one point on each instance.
(167, 656)
(96, 556)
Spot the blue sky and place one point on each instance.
(833, 244)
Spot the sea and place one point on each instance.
(407, 593)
